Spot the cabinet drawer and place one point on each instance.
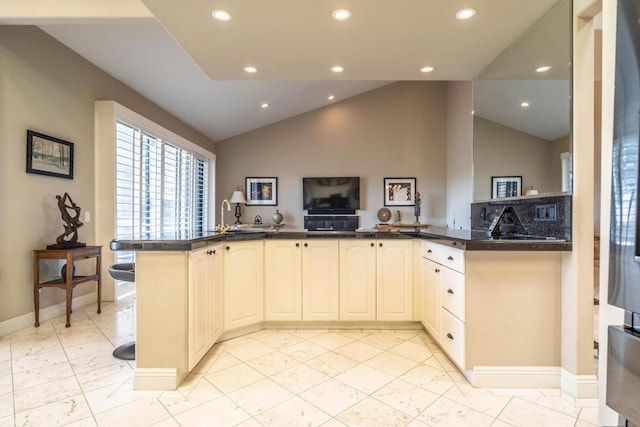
(452, 337)
(452, 292)
(444, 255)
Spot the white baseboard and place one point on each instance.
(516, 376)
(164, 379)
(26, 320)
(579, 386)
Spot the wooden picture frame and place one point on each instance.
(261, 191)
(506, 186)
(399, 191)
(47, 155)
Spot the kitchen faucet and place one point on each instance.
(223, 228)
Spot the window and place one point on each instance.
(161, 188)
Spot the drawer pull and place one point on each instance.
(305, 245)
(437, 270)
(297, 245)
(228, 248)
(449, 335)
(214, 251)
(450, 258)
(429, 251)
(450, 291)
(380, 244)
(372, 244)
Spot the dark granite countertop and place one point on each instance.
(463, 239)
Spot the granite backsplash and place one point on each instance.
(533, 216)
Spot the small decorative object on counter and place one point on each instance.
(417, 208)
(71, 216)
(384, 215)
(257, 219)
(277, 217)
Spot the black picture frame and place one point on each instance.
(261, 191)
(399, 191)
(506, 186)
(50, 156)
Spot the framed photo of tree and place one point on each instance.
(50, 156)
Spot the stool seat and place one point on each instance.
(125, 271)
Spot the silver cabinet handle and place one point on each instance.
(450, 258)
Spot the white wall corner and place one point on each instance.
(28, 319)
(159, 379)
(579, 386)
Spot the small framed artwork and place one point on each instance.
(261, 191)
(50, 156)
(399, 191)
(506, 186)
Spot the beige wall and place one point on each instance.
(395, 131)
(502, 151)
(48, 88)
(459, 154)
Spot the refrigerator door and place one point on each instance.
(624, 268)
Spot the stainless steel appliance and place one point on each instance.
(623, 361)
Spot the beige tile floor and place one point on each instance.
(54, 375)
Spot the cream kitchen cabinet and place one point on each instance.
(444, 302)
(357, 279)
(283, 280)
(320, 279)
(206, 305)
(243, 283)
(431, 297)
(394, 274)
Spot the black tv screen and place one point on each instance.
(331, 195)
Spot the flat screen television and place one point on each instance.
(331, 195)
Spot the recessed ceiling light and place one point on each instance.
(543, 69)
(337, 69)
(426, 69)
(331, 98)
(466, 13)
(221, 15)
(524, 104)
(264, 105)
(250, 69)
(341, 14)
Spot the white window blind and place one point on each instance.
(161, 188)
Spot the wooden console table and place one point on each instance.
(70, 281)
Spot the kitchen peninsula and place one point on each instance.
(492, 305)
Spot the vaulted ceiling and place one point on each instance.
(176, 55)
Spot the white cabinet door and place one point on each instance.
(394, 280)
(320, 279)
(431, 297)
(217, 270)
(200, 305)
(243, 283)
(357, 279)
(283, 280)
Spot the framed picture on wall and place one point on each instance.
(506, 186)
(50, 156)
(261, 191)
(399, 191)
